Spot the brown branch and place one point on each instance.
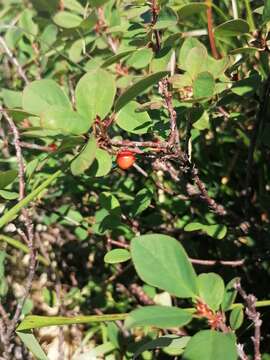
(210, 29)
(216, 208)
(254, 316)
(174, 135)
(28, 225)
(155, 11)
(13, 60)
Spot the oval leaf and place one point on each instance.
(138, 88)
(40, 94)
(211, 288)
(160, 316)
(203, 85)
(64, 120)
(85, 158)
(161, 261)
(236, 318)
(102, 164)
(95, 93)
(67, 20)
(232, 28)
(7, 177)
(117, 256)
(133, 121)
(211, 345)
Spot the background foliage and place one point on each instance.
(143, 263)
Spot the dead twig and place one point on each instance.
(254, 316)
(13, 60)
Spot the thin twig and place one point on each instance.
(232, 263)
(174, 136)
(13, 60)
(155, 11)
(254, 316)
(28, 225)
(216, 208)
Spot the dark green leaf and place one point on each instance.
(232, 28)
(7, 177)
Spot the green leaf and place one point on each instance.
(162, 262)
(236, 317)
(40, 94)
(32, 344)
(191, 9)
(248, 86)
(196, 61)
(140, 58)
(102, 164)
(64, 120)
(203, 85)
(12, 99)
(160, 316)
(116, 256)
(129, 119)
(211, 289)
(8, 195)
(167, 341)
(138, 88)
(167, 17)
(35, 322)
(188, 44)
(7, 177)
(85, 158)
(217, 231)
(109, 202)
(11, 213)
(266, 11)
(98, 352)
(115, 58)
(94, 94)
(97, 3)
(67, 20)
(229, 295)
(141, 202)
(230, 28)
(211, 345)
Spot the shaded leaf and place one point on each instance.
(32, 344)
(85, 158)
(230, 28)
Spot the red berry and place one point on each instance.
(53, 147)
(125, 159)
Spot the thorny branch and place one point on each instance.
(29, 236)
(13, 60)
(254, 316)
